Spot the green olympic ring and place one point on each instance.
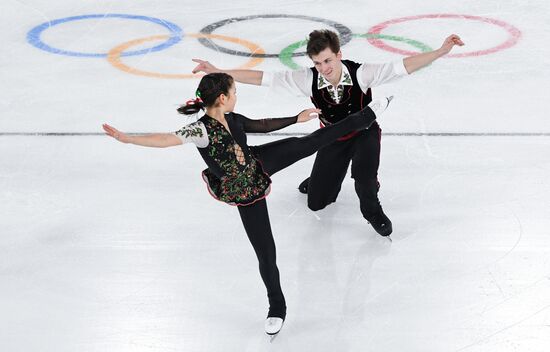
(287, 53)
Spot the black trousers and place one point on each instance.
(274, 157)
(331, 165)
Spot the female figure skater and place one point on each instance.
(239, 174)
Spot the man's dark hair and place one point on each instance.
(321, 39)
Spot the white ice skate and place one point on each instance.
(273, 325)
(380, 105)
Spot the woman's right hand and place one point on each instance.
(308, 114)
(116, 134)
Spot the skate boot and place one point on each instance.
(303, 186)
(380, 223)
(273, 325)
(380, 105)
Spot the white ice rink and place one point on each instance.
(110, 247)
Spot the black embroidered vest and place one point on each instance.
(352, 101)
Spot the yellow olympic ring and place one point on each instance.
(114, 55)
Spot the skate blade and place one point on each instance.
(272, 337)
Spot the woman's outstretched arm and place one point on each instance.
(269, 125)
(157, 140)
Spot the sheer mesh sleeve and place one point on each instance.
(267, 125)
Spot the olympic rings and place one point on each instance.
(117, 52)
(286, 54)
(33, 37)
(515, 34)
(343, 32)
(256, 54)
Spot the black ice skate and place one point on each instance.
(303, 186)
(381, 223)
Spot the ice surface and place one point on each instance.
(110, 247)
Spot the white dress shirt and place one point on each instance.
(299, 82)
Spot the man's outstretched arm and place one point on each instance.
(243, 76)
(416, 62)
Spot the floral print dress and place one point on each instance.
(234, 174)
(243, 181)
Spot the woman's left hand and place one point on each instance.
(308, 114)
(116, 134)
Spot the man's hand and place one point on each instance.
(415, 62)
(204, 66)
(450, 42)
(243, 76)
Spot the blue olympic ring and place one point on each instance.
(33, 37)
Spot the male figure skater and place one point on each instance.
(341, 87)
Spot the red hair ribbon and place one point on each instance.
(193, 101)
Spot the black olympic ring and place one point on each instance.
(344, 33)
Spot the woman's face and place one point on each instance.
(231, 98)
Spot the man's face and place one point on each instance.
(328, 64)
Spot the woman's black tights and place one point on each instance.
(255, 219)
(276, 156)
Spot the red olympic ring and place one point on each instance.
(515, 34)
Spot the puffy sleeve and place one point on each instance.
(193, 133)
(297, 82)
(372, 75)
(266, 125)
